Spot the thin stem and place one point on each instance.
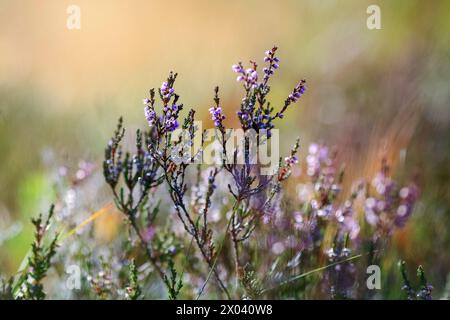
(148, 252)
(178, 200)
(215, 261)
(300, 276)
(233, 233)
(144, 243)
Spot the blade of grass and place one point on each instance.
(215, 261)
(300, 276)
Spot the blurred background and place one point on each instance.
(371, 93)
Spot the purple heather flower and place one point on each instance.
(166, 91)
(217, 116)
(169, 119)
(171, 124)
(273, 63)
(286, 170)
(150, 115)
(249, 76)
(290, 161)
(238, 68)
(298, 91)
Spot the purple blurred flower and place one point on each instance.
(316, 159)
(347, 220)
(149, 233)
(390, 206)
(408, 197)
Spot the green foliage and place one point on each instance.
(133, 291)
(6, 289)
(252, 285)
(30, 283)
(174, 283)
(424, 289)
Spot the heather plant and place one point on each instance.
(229, 229)
(424, 290)
(158, 161)
(133, 291)
(29, 284)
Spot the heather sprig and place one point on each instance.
(285, 170)
(168, 120)
(175, 174)
(424, 290)
(252, 285)
(296, 94)
(30, 283)
(167, 162)
(112, 165)
(271, 202)
(139, 173)
(173, 282)
(256, 112)
(273, 64)
(202, 235)
(216, 112)
(133, 290)
(206, 231)
(101, 282)
(248, 76)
